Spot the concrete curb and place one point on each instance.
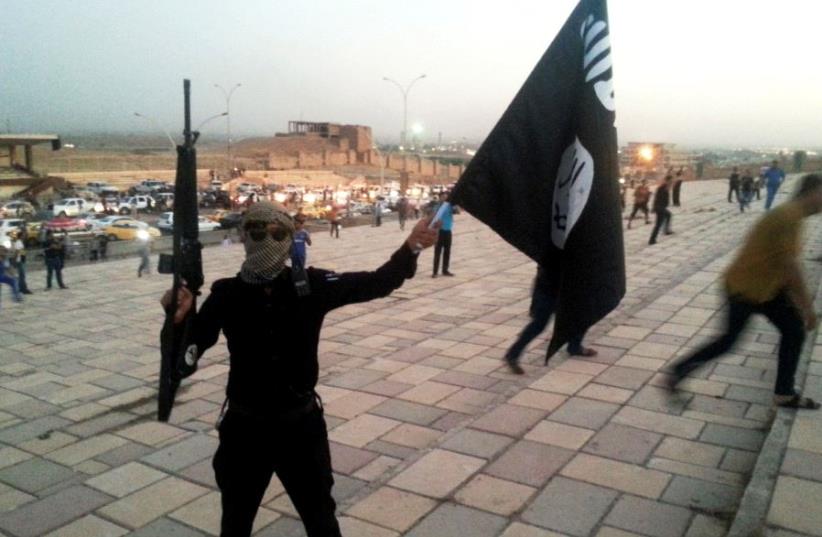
(751, 517)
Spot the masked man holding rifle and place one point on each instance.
(271, 316)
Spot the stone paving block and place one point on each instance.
(583, 412)
(346, 459)
(517, 529)
(714, 475)
(392, 450)
(648, 518)
(35, 475)
(606, 531)
(376, 468)
(603, 392)
(11, 499)
(617, 475)
(558, 434)
(659, 422)
(623, 443)
(352, 405)
(509, 420)
(530, 463)
(85, 449)
(437, 473)
(48, 442)
(468, 401)
(803, 464)
(89, 526)
(17, 434)
(795, 505)
(184, 453)
(569, 506)
(537, 399)
(354, 526)
(740, 461)
(682, 450)
(408, 412)
(124, 480)
(494, 495)
(623, 377)
(392, 508)
(152, 433)
(450, 519)
(659, 400)
(703, 495)
(205, 513)
(558, 381)
(429, 392)
(640, 362)
(123, 454)
(806, 434)
(386, 388)
(724, 435)
(414, 436)
(477, 443)
(466, 380)
(749, 394)
(110, 420)
(154, 501)
(40, 517)
(163, 527)
(705, 526)
(355, 379)
(362, 430)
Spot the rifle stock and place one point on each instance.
(178, 356)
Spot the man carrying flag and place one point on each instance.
(546, 178)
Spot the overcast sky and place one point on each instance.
(697, 72)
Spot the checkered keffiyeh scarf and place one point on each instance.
(265, 259)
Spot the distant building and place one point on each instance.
(18, 177)
(654, 157)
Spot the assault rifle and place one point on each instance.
(178, 350)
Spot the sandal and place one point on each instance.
(800, 402)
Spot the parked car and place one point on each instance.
(150, 186)
(164, 199)
(140, 203)
(100, 187)
(10, 225)
(127, 230)
(16, 209)
(231, 220)
(166, 223)
(66, 223)
(75, 206)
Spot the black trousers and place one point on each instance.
(733, 190)
(784, 316)
(663, 217)
(443, 248)
(639, 207)
(252, 449)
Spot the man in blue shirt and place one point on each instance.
(773, 178)
(443, 247)
(301, 238)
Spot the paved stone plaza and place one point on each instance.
(430, 435)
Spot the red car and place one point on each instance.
(65, 223)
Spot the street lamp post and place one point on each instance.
(227, 95)
(404, 91)
(158, 127)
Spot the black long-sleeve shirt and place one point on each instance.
(662, 198)
(272, 334)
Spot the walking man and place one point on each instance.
(443, 247)
(54, 254)
(677, 186)
(274, 419)
(18, 260)
(402, 211)
(642, 195)
(298, 247)
(774, 177)
(766, 278)
(663, 215)
(145, 256)
(543, 304)
(733, 185)
(7, 275)
(746, 189)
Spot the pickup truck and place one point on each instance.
(75, 206)
(139, 203)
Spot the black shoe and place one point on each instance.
(434, 275)
(64, 287)
(447, 273)
(651, 242)
(513, 365)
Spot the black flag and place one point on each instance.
(546, 178)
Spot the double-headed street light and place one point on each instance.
(158, 127)
(404, 91)
(227, 95)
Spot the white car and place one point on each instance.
(8, 225)
(75, 206)
(16, 208)
(166, 223)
